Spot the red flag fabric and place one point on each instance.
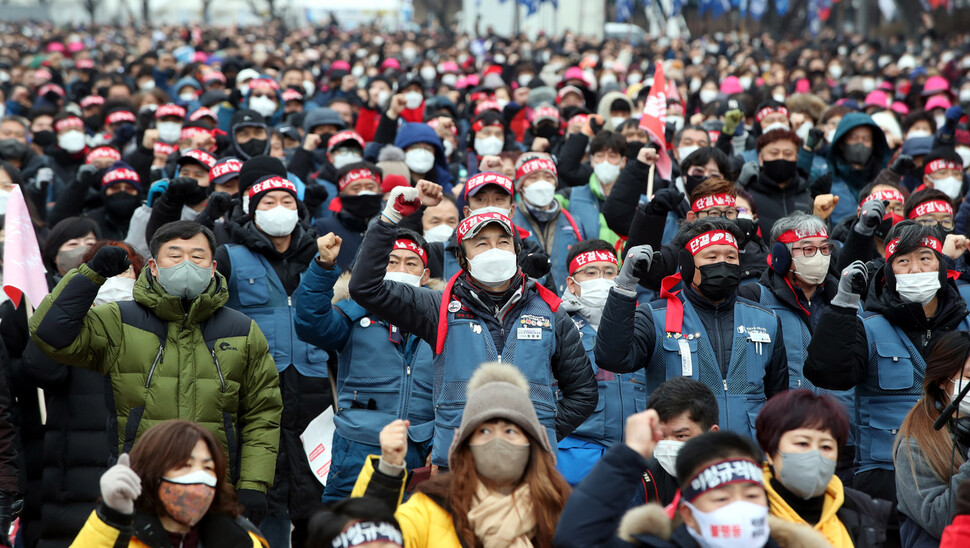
(654, 119)
(24, 272)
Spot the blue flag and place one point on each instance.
(781, 6)
(757, 9)
(624, 9)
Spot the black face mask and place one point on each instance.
(719, 280)
(362, 207)
(44, 138)
(691, 182)
(12, 149)
(632, 149)
(546, 131)
(93, 122)
(253, 147)
(779, 171)
(121, 205)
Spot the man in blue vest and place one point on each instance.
(551, 226)
(592, 273)
(489, 311)
(699, 327)
(383, 374)
(881, 353)
(264, 265)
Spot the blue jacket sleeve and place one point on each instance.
(317, 322)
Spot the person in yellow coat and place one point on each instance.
(801, 434)
(502, 488)
(172, 490)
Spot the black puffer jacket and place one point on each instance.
(775, 202)
(416, 310)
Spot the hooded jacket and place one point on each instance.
(775, 201)
(847, 182)
(603, 107)
(412, 133)
(204, 363)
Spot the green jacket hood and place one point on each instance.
(170, 308)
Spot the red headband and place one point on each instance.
(190, 132)
(932, 206)
(47, 88)
(707, 239)
(169, 110)
(120, 174)
(102, 152)
(939, 164)
(84, 64)
(263, 83)
(584, 259)
(200, 156)
(468, 224)
(225, 168)
(928, 242)
(291, 95)
(200, 112)
(346, 135)
(72, 122)
(433, 124)
(536, 164)
(356, 175)
(487, 105)
(578, 119)
(768, 110)
(545, 112)
(92, 101)
(164, 148)
(714, 200)
(409, 245)
(792, 236)
(214, 75)
(480, 124)
(119, 116)
(891, 195)
(274, 183)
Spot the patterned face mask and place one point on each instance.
(187, 498)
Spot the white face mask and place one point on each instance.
(383, 97)
(666, 454)
(493, 268)
(684, 152)
(950, 186)
(169, 132)
(773, 126)
(449, 79)
(278, 221)
(634, 78)
(606, 172)
(965, 95)
(593, 293)
(187, 96)
(524, 79)
(835, 71)
(344, 157)
(745, 82)
(918, 287)
(428, 73)
(618, 120)
(964, 153)
(486, 146)
(913, 133)
(540, 193)
(147, 85)
(357, 71)
(115, 289)
(263, 105)
(308, 88)
(404, 278)
(812, 269)
(72, 141)
(677, 121)
(439, 233)
(750, 518)
(940, 120)
(780, 97)
(419, 160)
(412, 99)
(830, 135)
(449, 148)
(803, 130)
(965, 402)
(490, 209)
(708, 95)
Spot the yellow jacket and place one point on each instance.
(829, 524)
(423, 521)
(105, 527)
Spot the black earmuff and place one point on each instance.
(780, 258)
(686, 262)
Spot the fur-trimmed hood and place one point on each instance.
(341, 289)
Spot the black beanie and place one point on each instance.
(258, 167)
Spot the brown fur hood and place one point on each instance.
(341, 289)
(650, 519)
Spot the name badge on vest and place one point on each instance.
(529, 334)
(686, 364)
(759, 336)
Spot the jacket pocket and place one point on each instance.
(233, 447)
(251, 286)
(895, 367)
(885, 418)
(677, 365)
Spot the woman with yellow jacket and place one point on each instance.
(171, 491)
(502, 488)
(801, 434)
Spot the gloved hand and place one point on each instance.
(852, 284)
(953, 115)
(814, 139)
(110, 261)
(821, 185)
(314, 195)
(123, 135)
(636, 262)
(869, 218)
(732, 119)
(401, 202)
(254, 503)
(665, 200)
(749, 231)
(903, 164)
(535, 265)
(218, 205)
(120, 485)
(185, 190)
(88, 175)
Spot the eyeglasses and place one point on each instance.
(727, 213)
(591, 272)
(947, 224)
(811, 250)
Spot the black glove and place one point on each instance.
(535, 265)
(821, 185)
(218, 205)
(110, 261)
(814, 139)
(254, 504)
(869, 218)
(903, 164)
(87, 175)
(595, 125)
(314, 195)
(665, 200)
(852, 284)
(124, 134)
(749, 230)
(185, 190)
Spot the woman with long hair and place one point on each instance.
(930, 464)
(502, 488)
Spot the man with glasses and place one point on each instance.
(592, 273)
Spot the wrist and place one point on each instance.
(326, 265)
(391, 215)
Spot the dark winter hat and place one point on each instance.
(322, 117)
(120, 172)
(258, 167)
(246, 118)
(264, 186)
(224, 170)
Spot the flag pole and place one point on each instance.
(653, 168)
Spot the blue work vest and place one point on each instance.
(449, 263)
(620, 395)
(256, 291)
(564, 239)
(388, 380)
(741, 395)
(584, 206)
(530, 342)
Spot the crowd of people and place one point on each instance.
(470, 249)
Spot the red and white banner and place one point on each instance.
(23, 269)
(654, 120)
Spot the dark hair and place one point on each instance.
(67, 229)
(946, 154)
(712, 186)
(327, 524)
(867, 190)
(923, 196)
(831, 112)
(918, 116)
(408, 234)
(742, 193)
(180, 230)
(910, 234)
(593, 244)
(608, 140)
(701, 156)
(359, 165)
(778, 135)
(793, 409)
(168, 445)
(711, 447)
(137, 261)
(691, 127)
(678, 395)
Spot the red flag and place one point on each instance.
(654, 119)
(24, 271)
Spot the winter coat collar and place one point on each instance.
(149, 293)
(215, 531)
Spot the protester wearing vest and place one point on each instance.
(263, 266)
(699, 328)
(175, 351)
(489, 310)
(592, 270)
(882, 351)
(382, 373)
(607, 158)
(549, 224)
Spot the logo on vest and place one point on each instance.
(529, 320)
(454, 306)
(225, 347)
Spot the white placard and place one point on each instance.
(317, 442)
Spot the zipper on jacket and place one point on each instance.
(929, 334)
(222, 379)
(151, 371)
